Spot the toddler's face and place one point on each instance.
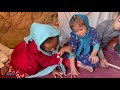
(51, 46)
(79, 30)
(116, 23)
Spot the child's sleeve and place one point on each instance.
(100, 31)
(100, 54)
(96, 44)
(73, 44)
(46, 61)
(95, 41)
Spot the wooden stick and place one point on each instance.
(114, 66)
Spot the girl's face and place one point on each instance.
(51, 45)
(79, 30)
(116, 23)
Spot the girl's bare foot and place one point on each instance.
(89, 68)
(80, 65)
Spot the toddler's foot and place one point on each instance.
(80, 65)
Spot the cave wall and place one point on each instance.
(14, 26)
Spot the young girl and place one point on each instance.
(85, 44)
(37, 53)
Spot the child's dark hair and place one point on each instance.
(76, 19)
(48, 40)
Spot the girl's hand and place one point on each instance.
(94, 59)
(56, 73)
(65, 49)
(74, 73)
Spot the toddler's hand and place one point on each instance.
(94, 59)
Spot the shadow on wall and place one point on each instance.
(14, 26)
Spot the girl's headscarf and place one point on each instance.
(85, 41)
(39, 33)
